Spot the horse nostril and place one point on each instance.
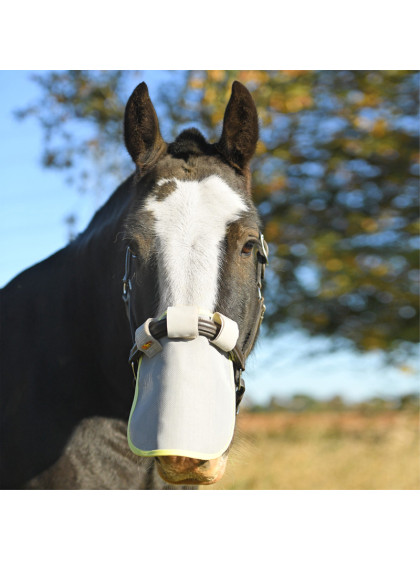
(196, 462)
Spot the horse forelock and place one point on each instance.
(190, 142)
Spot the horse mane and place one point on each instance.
(112, 212)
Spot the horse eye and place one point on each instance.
(247, 249)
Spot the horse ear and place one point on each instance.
(240, 128)
(141, 129)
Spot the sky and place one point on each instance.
(34, 203)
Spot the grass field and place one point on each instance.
(324, 450)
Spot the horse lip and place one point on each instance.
(188, 481)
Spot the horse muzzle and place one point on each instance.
(184, 408)
(179, 470)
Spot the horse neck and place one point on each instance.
(99, 256)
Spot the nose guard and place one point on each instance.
(184, 402)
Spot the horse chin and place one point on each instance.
(178, 470)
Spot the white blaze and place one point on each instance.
(190, 224)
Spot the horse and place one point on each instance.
(179, 236)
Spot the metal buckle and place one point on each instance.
(127, 273)
(133, 360)
(133, 368)
(264, 307)
(264, 248)
(262, 259)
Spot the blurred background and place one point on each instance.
(332, 396)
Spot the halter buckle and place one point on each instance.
(263, 308)
(126, 280)
(264, 248)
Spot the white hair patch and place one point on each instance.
(190, 224)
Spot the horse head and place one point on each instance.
(193, 235)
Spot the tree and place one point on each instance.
(335, 178)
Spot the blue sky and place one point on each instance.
(34, 203)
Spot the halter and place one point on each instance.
(206, 327)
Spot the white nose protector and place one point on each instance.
(185, 400)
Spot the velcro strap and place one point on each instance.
(182, 322)
(229, 332)
(145, 341)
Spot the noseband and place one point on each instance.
(206, 327)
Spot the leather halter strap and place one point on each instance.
(207, 328)
(127, 288)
